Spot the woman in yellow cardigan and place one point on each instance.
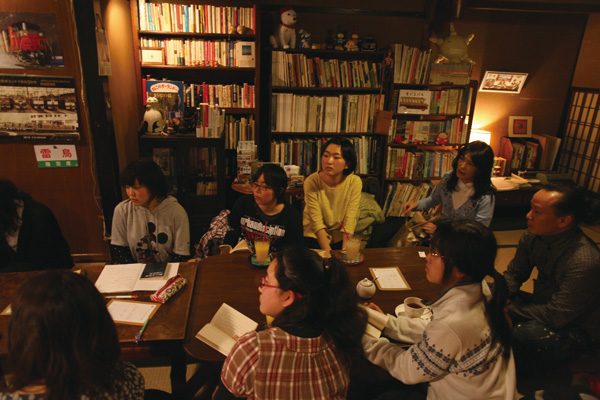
(332, 197)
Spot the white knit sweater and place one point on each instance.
(455, 353)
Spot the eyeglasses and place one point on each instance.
(261, 187)
(263, 283)
(434, 253)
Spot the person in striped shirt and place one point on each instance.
(332, 197)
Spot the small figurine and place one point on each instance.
(305, 39)
(352, 43)
(285, 37)
(340, 41)
(153, 118)
(453, 49)
(442, 138)
(329, 40)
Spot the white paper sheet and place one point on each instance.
(389, 278)
(129, 312)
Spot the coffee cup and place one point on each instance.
(413, 307)
(262, 250)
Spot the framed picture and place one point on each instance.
(503, 82)
(153, 55)
(520, 126)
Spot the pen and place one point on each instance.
(123, 296)
(138, 336)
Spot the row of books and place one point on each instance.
(431, 102)
(397, 194)
(428, 132)
(237, 96)
(306, 153)
(203, 161)
(239, 129)
(411, 65)
(208, 188)
(167, 17)
(204, 53)
(343, 113)
(297, 70)
(453, 74)
(404, 163)
(534, 153)
(210, 121)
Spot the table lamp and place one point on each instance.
(480, 134)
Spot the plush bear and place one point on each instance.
(285, 37)
(453, 49)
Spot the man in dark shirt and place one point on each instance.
(561, 319)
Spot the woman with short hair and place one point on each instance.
(150, 226)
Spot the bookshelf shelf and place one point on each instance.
(327, 134)
(322, 90)
(224, 36)
(220, 71)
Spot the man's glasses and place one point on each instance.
(263, 283)
(261, 187)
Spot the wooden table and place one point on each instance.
(233, 280)
(162, 338)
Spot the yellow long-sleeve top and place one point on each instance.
(326, 206)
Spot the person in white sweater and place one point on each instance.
(464, 352)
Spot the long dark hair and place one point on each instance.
(61, 335)
(348, 152)
(328, 302)
(9, 215)
(147, 173)
(482, 156)
(275, 177)
(471, 248)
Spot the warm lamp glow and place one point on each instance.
(480, 134)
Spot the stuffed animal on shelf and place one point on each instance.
(285, 37)
(153, 118)
(453, 49)
(305, 39)
(352, 43)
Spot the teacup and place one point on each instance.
(414, 307)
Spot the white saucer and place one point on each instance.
(426, 316)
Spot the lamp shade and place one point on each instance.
(480, 134)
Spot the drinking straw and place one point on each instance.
(265, 231)
(347, 236)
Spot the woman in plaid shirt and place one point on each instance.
(316, 330)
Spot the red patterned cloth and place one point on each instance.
(273, 364)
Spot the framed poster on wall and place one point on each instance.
(503, 82)
(520, 126)
(38, 107)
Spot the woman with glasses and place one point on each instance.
(332, 197)
(264, 209)
(316, 330)
(464, 352)
(466, 191)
